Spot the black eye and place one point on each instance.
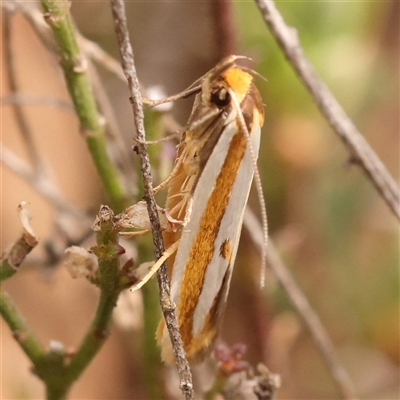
(220, 97)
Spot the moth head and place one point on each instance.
(220, 96)
(231, 80)
(214, 86)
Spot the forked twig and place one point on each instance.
(360, 151)
(35, 18)
(119, 152)
(93, 51)
(24, 127)
(303, 307)
(168, 308)
(74, 66)
(40, 183)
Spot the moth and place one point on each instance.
(208, 190)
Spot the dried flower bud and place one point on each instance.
(80, 263)
(137, 216)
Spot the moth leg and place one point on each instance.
(170, 176)
(164, 139)
(136, 233)
(194, 88)
(155, 267)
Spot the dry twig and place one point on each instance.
(21, 98)
(24, 127)
(95, 53)
(167, 305)
(39, 182)
(360, 151)
(15, 254)
(303, 307)
(119, 152)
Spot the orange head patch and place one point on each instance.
(239, 81)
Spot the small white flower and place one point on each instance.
(156, 92)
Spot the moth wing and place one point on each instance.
(219, 270)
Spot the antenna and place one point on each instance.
(258, 183)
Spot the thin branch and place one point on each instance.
(21, 98)
(56, 368)
(72, 224)
(23, 334)
(150, 354)
(10, 262)
(108, 252)
(74, 66)
(168, 308)
(303, 307)
(96, 53)
(39, 182)
(91, 49)
(14, 255)
(120, 153)
(117, 148)
(34, 16)
(23, 125)
(360, 151)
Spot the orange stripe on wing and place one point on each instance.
(202, 249)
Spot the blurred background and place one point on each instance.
(336, 235)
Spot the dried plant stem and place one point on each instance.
(304, 309)
(34, 174)
(21, 98)
(168, 308)
(120, 153)
(6, 270)
(360, 151)
(152, 369)
(57, 369)
(74, 66)
(14, 255)
(35, 18)
(109, 291)
(98, 332)
(23, 334)
(23, 125)
(39, 182)
(118, 149)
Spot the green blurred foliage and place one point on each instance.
(332, 227)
